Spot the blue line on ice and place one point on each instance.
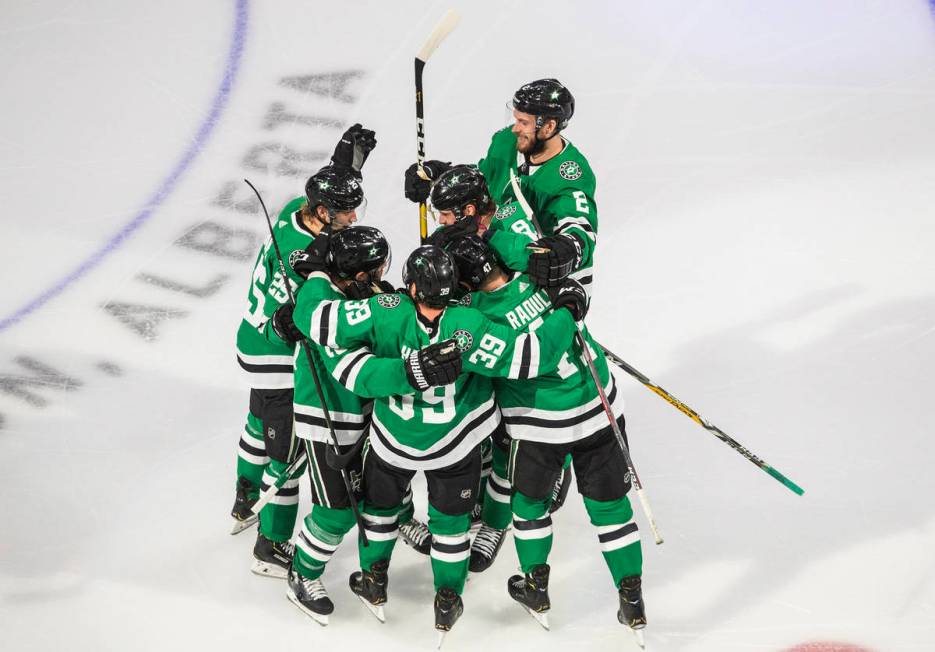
(165, 188)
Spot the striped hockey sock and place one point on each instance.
(451, 549)
(251, 454)
(619, 536)
(277, 518)
(532, 531)
(321, 534)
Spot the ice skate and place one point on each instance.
(416, 535)
(448, 608)
(632, 612)
(370, 586)
(243, 517)
(532, 592)
(310, 596)
(484, 549)
(272, 558)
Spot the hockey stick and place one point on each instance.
(338, 461)
(270, 492)
(448, 22)
(694, 416)
(311, 366)
(608, 410)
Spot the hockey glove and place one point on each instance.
(570, 294)
(436, 364)
(283, 325)
(463, 227)
(385, 287)
(416, 188)
(358, 290)
(354, 148)
(313, 258)
(547, 269)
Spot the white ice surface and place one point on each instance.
(766, 181)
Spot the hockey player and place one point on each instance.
(333, 198)
(554, 176)
(547, 418)
(355, 259)
(438, 430)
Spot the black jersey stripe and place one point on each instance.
(527, 355)
(322, 551)
(454, 443)
(338, 425)
(350, 367)
(628, 528)
(380, 527)
(464, 546)
(253, 450)
(265, 368)
(540, 422)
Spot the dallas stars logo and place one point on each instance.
(373, 252)
(505, 212)
(570, 170)
(388, 300)
(463, 339)
(296, 256)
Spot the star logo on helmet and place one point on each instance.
(554, 95)
(463, 339)
(373, 251)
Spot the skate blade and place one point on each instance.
(376, 610)
(321, 619)
(265, 569)
(441, 639)
(240, 526)
(638, 635)
(541, 617)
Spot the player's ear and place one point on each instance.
(322, 214)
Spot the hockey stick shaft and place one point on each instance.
(311, 365)
(444, 27)
(694, 416)
(589, 360)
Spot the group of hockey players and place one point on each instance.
(472, 373)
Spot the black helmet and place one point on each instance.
(545, 98)
(434, 274)
(357, 249)
(334, 188)
(473, 258)
(460, 186)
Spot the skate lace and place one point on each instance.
(415, 531)
(287, 547)
(314, 588)
(487, 539)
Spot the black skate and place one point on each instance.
(476, 512)
(241, 511)
(370, 586)
(632, 612)
(310, 596)
(532, 591)
(272, 558)
(416, 534)
(485, 547)
(560, 490)
(448, 608)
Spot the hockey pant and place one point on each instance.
(603, 481)
(267, 447)
(331, 517)
(452, 494)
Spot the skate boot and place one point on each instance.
(272, 558)
(485, 547)
(632, 612)
(560, 490)
(416, 534)
(370, 586)
(476, 514)
(448, 608)
(310, 596)
(532, 591)
(243, 517)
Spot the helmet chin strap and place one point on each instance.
(539, 143)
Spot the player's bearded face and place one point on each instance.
(524, 127)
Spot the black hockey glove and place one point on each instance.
(445, 234)
(313, 258)
(283, 325)
(385, 287)
(436, 364)
(548, 268)
(416, 188)
(354, 148)
(570, 294)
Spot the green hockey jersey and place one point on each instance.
(349, 379)
(556, 407)
(560, 192)
(438, 427)
(268, 364)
